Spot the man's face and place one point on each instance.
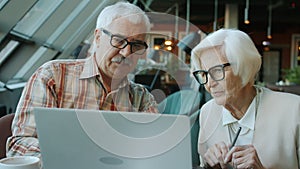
(108, 57)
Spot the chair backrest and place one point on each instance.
(187, 102)
(181, 102)
(194, 119)
(5, 132)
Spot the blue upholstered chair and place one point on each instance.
(187, 102)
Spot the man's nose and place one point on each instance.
(126, 51)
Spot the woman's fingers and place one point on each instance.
(244, 157)
(215, 155)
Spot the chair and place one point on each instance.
(187, 102)
(5, 128)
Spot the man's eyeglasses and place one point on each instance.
(216, 73)
(117, 41)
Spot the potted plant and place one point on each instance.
(292, 76)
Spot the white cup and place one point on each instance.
(20, 162)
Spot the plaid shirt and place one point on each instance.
(70, 84)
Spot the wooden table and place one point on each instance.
(295, 89)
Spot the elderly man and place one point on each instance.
(98, 82)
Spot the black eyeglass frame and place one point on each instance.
(222, 66)
(127, 42)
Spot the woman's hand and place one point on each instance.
(216, 154)
(244, 157)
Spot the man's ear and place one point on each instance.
(97, 34)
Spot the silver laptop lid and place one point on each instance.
(94, 139)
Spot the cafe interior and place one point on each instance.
(36, 31)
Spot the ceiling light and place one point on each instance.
(168, 42)
(246, 19)
(156, 47)
(169, 48)
(269, 34)
(266, 43)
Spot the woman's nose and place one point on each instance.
(210, 81)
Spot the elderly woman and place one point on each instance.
(227, 62)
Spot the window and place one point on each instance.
(295, 53)
(3, 3)
(5, 52)
(32, 21)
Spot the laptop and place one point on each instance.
(94, 139)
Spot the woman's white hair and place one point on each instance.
(133, 14)
(237, 47)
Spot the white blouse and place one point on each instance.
(247, 122)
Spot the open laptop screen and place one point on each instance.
(93, 139)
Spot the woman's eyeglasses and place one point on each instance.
(117, 41)
(216, 73)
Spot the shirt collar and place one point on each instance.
(248, 120)
(90, 68)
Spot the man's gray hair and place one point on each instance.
(133, 14)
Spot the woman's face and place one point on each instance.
(224, 91)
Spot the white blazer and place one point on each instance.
(276, 134)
